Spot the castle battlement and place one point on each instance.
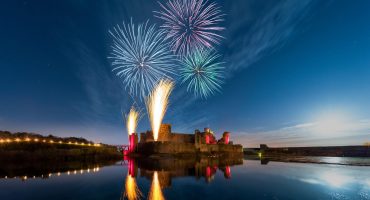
(198, 142)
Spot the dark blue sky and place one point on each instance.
(298, 72)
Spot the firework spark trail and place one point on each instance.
(191, 24)
(132, 119)
(157, 103)
(141, 56)
(202, 71)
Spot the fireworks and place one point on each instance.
(144, 56)
(132, 120)
(141, 57)
(203, 72)
(157, 103)
(191, 24)
(155, 192)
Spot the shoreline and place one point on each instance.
(327, 160)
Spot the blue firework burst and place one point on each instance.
(140, 56)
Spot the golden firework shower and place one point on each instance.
(132, 120)
(157, 103)
(155, 192)
(132, 191)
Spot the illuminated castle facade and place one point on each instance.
(199, 142)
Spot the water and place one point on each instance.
(186, 179)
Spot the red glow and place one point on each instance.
(131, 168)
(227, 172)
(227, 139)
(212, 140)
(132, 142)
(208, 172)
(207, 139)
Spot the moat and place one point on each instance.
(195, 178)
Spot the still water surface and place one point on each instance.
(184, 179)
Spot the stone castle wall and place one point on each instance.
(165, 148)
(165, 135)
(187, 148)
(182, 138)
(173, 143)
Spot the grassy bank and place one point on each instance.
(22, 146)
(24, 151)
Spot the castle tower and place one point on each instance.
(133, 139)
(164, 132)
(226, 137)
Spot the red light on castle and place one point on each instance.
(132, 142)
(207, 139)
(227, 139)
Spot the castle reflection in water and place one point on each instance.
(161, 171)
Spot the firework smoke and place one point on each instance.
(191, 24)
(157, 103)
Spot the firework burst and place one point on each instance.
(203, 72)
(141, 57)
(157, 103)
(191, 24)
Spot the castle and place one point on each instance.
(175, 143)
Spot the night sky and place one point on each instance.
(298, 72)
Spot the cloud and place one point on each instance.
(251, 34)
(308, 134)
(261, 33)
